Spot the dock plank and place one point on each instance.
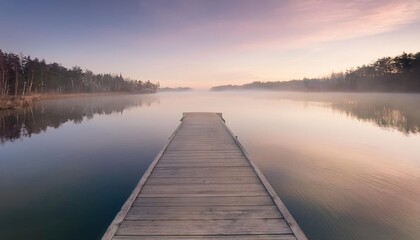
(206, 237)
(203, 201)
(203, 213)
(203, 185)
(203, 180)
(209, 227)
(200, 164)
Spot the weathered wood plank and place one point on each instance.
(202, 160)
(202, 147)
(203, 180)
(204, 201)
(209, 227)
(194, 188)
(204, 169)
(197, 174)
(204, 209)
(204, 194)
(206, 237)
(203, 156)
(203, 213)
(204, 172)
(201, 164)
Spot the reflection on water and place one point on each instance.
(74, 165)
(394, 111)
(384, 116)
(399, 111)
(347, 165)
(53, 113)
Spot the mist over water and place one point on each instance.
(347, 165)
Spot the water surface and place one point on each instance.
(346, 165)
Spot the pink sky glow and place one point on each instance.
(201, 43)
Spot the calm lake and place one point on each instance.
(347, 165)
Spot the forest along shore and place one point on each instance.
(24, 80)
(388, 74)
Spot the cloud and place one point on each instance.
(313, 21)
(253, 25)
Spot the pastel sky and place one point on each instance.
(202, 43)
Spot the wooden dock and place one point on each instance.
(202, 185)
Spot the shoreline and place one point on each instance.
(19, 102)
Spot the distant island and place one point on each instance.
(388, 74)
(24, 80)
(178, 89)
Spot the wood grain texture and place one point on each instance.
(203, 201)
(207, 237)
(203, 186)
(203, 180)
(203, 213)
(208, 227)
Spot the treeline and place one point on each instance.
(397, 74)
(21, 75)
